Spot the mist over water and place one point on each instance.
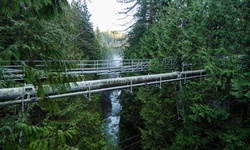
(118, 60)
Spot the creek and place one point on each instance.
(112, 110)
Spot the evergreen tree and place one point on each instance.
(146, 12)
(85, 36)
(63, 124)
(211, 35)
(40, 8)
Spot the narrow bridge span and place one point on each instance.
(11, 96)
(16, 70)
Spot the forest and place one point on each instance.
(207, 113)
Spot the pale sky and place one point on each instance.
(104, 15)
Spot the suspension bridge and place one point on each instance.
(27, 93)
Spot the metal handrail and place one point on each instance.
(81, 67)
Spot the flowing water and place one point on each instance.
(113, 119)
(113, 116)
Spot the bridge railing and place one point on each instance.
(16, 70)
(112, 66)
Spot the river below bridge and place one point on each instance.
(112, 119)
(112, 108)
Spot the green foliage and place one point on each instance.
(207, 113)
(146, 12)
(9, 118)
(241, 87)
(205, 125)
(158, 112)
(31, 31)
(84, 37)
(241, 84)
(130, 120)
(40, 8)
(75, 125)
(212, 35)
(68, 36)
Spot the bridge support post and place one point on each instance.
(131, 87)
(160, 83)
(179, 100)
(132, 65)
(88, 96)
(26, 93)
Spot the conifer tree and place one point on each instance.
(71, 123)
(40, 8)
(212, 35)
